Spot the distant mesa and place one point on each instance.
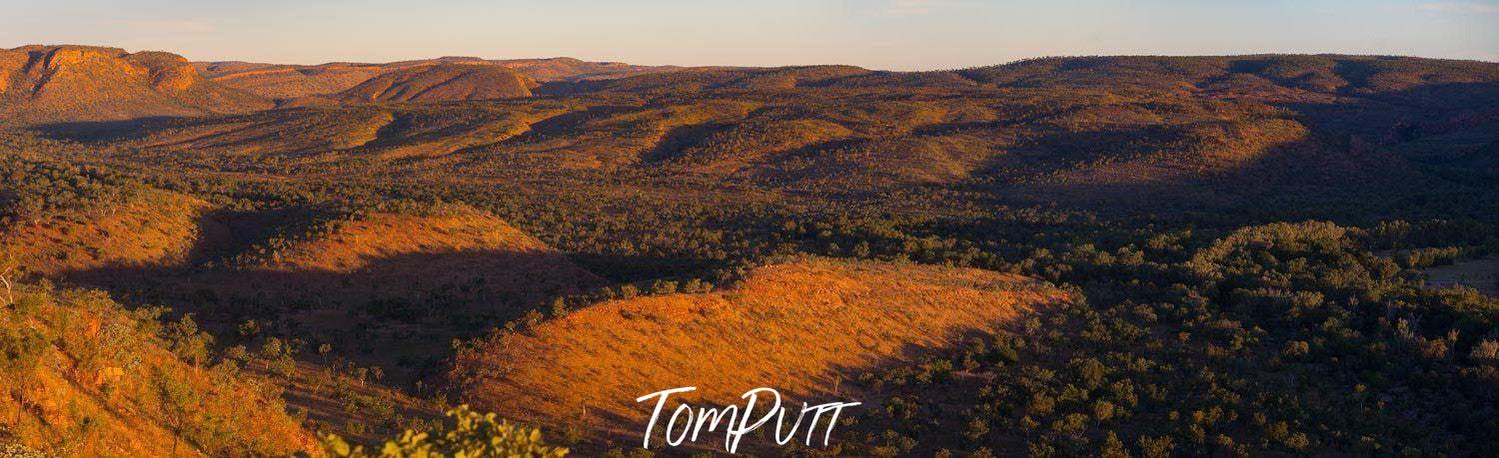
(45, 84)
(68, 84)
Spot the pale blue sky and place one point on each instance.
(881, 34)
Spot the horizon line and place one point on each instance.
(688, 66)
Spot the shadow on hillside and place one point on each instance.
(1399, 116)
(1304, 171)
(837, 383)
(621, 268)
(414, 288)
(564, 123)
(1350, 164)
(679, 138)
(225, 233)
(104, 131)
(400, 312)
(1053, 151)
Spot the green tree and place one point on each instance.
(179, 402)
(187, 342)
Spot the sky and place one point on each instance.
(877, 34)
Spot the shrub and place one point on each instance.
(1485, 352)
(471, 435)
(20, 351)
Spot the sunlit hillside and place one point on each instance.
(442, 82)
(1201, 133)
(153, 228)
(803, 327)
(286, 82)
(84, 376)
(51, 84)
(375, 253)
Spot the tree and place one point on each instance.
(187, 342)
(9, 265)
(20, 352)
(179, 402)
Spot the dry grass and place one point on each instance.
(156, 228)
(366, 241)
(97, 390)
(797, 327)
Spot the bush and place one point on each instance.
(471, 435)
(1429, 257)
(20, 351)
(1485, 352)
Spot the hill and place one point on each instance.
(389, 286)
(395, 252)
(151, 228)
(338, 134)
(284, 82)
(570, 69)
(58, 219)
(280, 82)
(392, 288)
(799, 326)
(725, 78)
(44, 84)
(62, 221)
(83, 376)
(442, 82)
(440, 271)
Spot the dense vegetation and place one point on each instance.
(1273, 338)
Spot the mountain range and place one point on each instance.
(42, 83)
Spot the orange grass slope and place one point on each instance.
(145, 227)
(448, 244)
(85, 377)
(797, 327)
